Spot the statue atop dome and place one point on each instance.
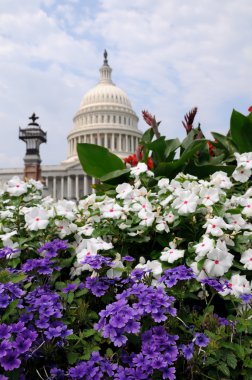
(105, 54)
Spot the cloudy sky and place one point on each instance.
(167, 55)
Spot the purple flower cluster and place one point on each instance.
(16, 341)
(44, 307)
(45, 265)
(6, 251)
(246, 298)
(172, 276)
(51, 248)
(98, 285)
(157, 356)
(124, 315)
(95, 368)
(38, 315)
(214, 283)
(97, 261)
(8, 293)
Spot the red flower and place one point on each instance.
(132, 160)
(211, 148)
(150, 163)
(250, 109)
(148, 118)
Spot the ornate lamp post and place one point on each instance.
(33, 136)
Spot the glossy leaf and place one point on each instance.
(158, 148)
(115, 175)
(171, 146)
(241, 131)
(98, 161)
(225, 142)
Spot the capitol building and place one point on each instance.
(106, 118)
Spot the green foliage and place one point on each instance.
(98, 161)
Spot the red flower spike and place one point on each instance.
(250, 109)
(150, 163)
(148, 118)
(189, 118)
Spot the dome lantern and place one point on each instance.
(105, 70)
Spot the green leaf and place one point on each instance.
(98, 161)
(158, 148)
(225, 142)
(231, 360)
(171, 146)
(118, 175)
(223, 368)
(147, 136)
(72, 357)
(11, 309)
(241, 131)
(88, 333)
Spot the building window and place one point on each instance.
(120, 119)
(96, 119)
(108, 118)
(116, 142)
(102, 118)
(102, 140)
(114, 119)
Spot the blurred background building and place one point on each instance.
(105, 117)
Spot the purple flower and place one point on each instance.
(97, 261)
(128, 258)
(172, 276)
(98, 285)
(214, 283)
(70, 288)
(201, 339)
(51, 248)
(6, 251)
(10, 361)
(246, 298)
(187, 350)
(57, 374)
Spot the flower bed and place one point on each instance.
(134, 283)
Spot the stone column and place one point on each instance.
(105, 140)
(77, 187)
(127, 143)
(54, 187)
(120, 142)
(132, 144)
(62, 187)
(85, 189)
(113, 142)
(98, 139)
(93, 183)
(69, 187)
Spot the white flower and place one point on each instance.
(236, 221)
(65, 228)
(16, 187)
(36, 219)
(219, 260)
(147, 218)
(116, 270)
(154, 266)
(124, 190)
(237, 285)
(204, 247)
(37, 184)
(111, 210)
(186, 202)
(86, 230)
(163, 183)
(209, 196)
(162, 224)
(214, 226)
(220, 179)
(167, 200)
(244, 160)
(246, 259)
(171, 254)
(241, 174)
(140, 168)
(247, 206)
(200, 274)
(66, 208)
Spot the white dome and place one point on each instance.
(105, 94)
(105, 118)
